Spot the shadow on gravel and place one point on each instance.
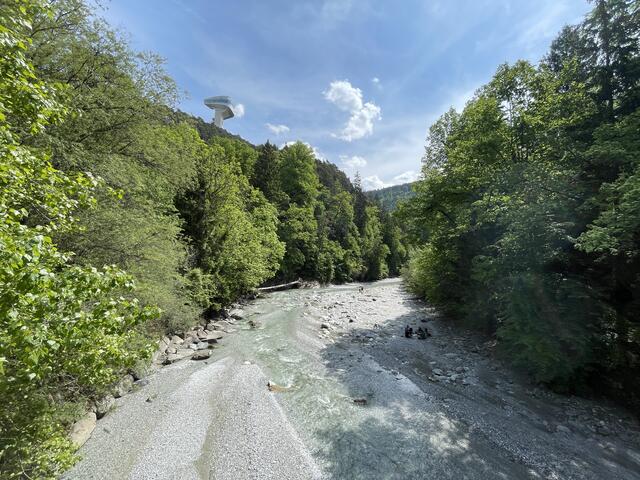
(475, 419)
(402, 432)
(379, 449)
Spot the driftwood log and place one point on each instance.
(284, 286)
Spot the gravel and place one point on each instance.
(440, 408)
(217, 421)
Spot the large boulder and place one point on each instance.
(82, 429)
(179, 355)
(163, 344)
(236, 313)
(212, 337)
(199, 346)
(201, 355)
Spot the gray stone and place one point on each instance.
(82, 429)
(163, 344)
(437, 371)
(124, 386)
(190, 338)
(562, 429)
(176, 340)
(202, 334)
(176, 357)
(201, 355)
(325, 326)
(236, 313)
(213, 337)
(104, 405)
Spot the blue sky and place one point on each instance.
(358, 80)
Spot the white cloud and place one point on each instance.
(344, 95)
(239, 110)
(376, 82)
(373, 183)
(406, 177)
(353, 162)
(277, 129)
(349, 99)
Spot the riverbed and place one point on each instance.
(322, 383)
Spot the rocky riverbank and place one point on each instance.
(195, 344)
(323, 383)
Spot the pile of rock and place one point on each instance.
(194, 344)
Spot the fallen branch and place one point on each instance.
(284, 286)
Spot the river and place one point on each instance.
(352, 398)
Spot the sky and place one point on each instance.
(360, 81)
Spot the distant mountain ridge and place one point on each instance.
(390, 196)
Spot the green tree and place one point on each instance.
(232, 227)
(66, 330)
(374, 250)
(298, 176)
(239, 152)
(268, 177)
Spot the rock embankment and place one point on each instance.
(195, 344)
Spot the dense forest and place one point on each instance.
(390, 197)
(526, 223)
(124, 219)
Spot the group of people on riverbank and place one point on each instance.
(421, 333)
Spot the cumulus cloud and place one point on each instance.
(239, 110)
(362, 114)
(373, 183)
(277, 129)
(353, 162)
(406, 177)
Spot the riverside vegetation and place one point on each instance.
(527, 220)
(124, 219)
(100, 176)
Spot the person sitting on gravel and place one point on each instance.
(423, 333)
(408, 331)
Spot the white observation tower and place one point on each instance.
(223, 107)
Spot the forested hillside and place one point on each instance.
(527, 221)
(123, 219)
(389, 197)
